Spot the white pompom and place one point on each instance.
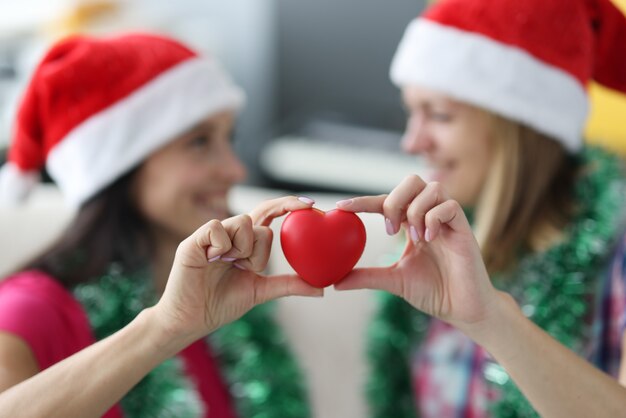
(15, 184)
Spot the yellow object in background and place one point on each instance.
(81, 16)
(607, 125)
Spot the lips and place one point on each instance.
(439, 171)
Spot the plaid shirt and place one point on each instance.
(450, 372)
(610, 319)
(448, 375)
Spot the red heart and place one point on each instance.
(322, 247)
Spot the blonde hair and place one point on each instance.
(527, 198)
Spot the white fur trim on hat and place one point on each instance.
(112, 142)
(15, 184)
(498, 77)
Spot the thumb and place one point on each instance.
(378, 278)
(268, 288)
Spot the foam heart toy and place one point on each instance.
(322, 247)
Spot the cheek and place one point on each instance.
(153, 203)
(465, 186)
(476, 174)
(472, 160)
(159, 194)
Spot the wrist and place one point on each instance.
(161, 335)
(499, 316)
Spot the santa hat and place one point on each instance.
(527, 60)
(95, 108)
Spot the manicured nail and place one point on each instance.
(239, 266)
(389, 227)
(228, 259)
(427, 235)
(306, 200)
(344, 203)
(214, 258)
(414, 235)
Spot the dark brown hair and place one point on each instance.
(108, 228)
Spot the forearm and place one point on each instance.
(555, 380)
(88, 383)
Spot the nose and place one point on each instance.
(416, 138)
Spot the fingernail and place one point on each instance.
(306, 200)
(344, 203)
(414, 235)
(389, 227)
(240, 267)
(214, 258)
(228, 259)
(427, 235)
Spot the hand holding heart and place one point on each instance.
(216, 276)
(441, 271)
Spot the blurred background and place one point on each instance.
(321, 106)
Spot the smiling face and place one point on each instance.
(184, 184)
(455, 139)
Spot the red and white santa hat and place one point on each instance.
(95, 108)
(527, 60)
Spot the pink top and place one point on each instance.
(40, 311)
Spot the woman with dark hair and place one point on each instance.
(136, 132)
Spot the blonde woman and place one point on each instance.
(495, 93)
(446, 278)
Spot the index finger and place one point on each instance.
(367, 204)
(266, 212)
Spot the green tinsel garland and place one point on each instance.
(264, 379)
(111, 302)
(554, 289)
